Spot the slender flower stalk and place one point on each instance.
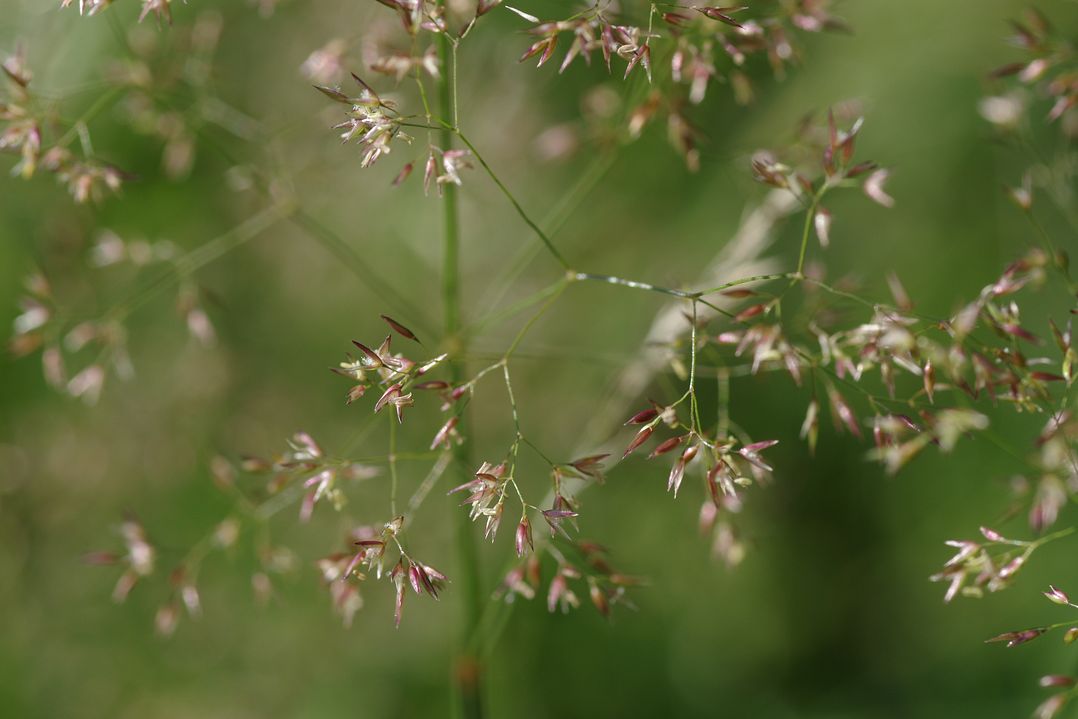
(467, 671)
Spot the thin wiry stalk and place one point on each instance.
(633, 284)
(101, 103)
(466, 670)
(555, 219)
(810, 215)
(535, 318)
(202, 256)
(512, 200)
(496, 316)
(392, 466)
(449, 130)
(316, 230)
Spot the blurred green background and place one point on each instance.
(831, 614)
